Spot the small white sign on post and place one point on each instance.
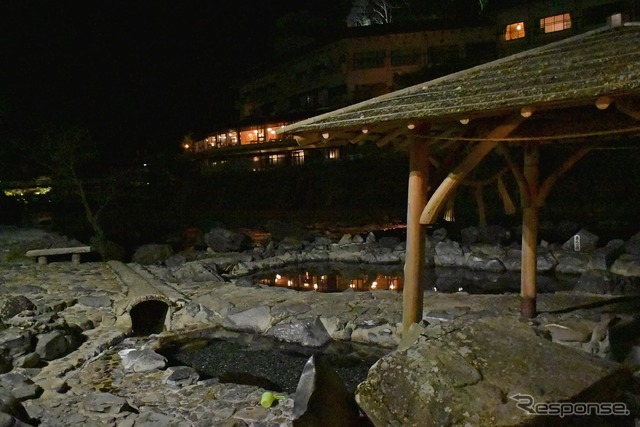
(576, 243)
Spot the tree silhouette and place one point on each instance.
(69, 155)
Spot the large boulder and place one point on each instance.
(476, 373)
(223, 240)
(153, 253)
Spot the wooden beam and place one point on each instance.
(391, 136)
(530, 233)
(451, 182)
(548, 183)
(412, 294)
(482, 210)
(629, 106)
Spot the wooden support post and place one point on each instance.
(530, 210)
(412, 294)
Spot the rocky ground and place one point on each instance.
(69, 354)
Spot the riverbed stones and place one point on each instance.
(57, 290)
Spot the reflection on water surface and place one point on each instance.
(339, 277)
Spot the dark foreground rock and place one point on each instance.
(475, 373)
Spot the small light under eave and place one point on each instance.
(526, 112)
(411, 126)
(603, 102)
(464, 121)
(365, 130)
(325, 135)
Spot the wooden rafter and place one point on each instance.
(630, 107)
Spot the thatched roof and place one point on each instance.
(572, 72)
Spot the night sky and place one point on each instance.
(146, 72)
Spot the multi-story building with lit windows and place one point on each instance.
(370, 61)
(540, 22)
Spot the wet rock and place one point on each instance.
(222, 240)
(181, 376)
(289, 244)
(29, 360)
(153, 253)
(14, 341)
(52, 345)
(382, 334)
(603, 258)
(306, 332)
(106, 403)
(256, 319)
(568, 332)
(12, 305)
(11, 406)
(571, 262)
(390, 242)
(627, 265)
(345, 239)
(22, 387)
(545, 262)
(380, 256)
(142, 360)
(338, 329)
(149, 417)
(5, 364)
(449, 253)
(194, 314)
(632, 246)
(467, 373)
(95, 300)
(7, 420)
(583, 241)
(481, 262)
(196, 271)
(606, 283)
(175, 261)
(321, 398)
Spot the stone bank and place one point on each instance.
(70, 357)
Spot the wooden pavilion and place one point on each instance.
(578, 94)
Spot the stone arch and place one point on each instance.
(145, 315)
(149, 317)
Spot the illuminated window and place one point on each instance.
(333, 153)
(297, 157)
(276, 159)
(514, 31)
(551, 24)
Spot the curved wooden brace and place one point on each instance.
(451, 182)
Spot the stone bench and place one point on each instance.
(75, 252)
